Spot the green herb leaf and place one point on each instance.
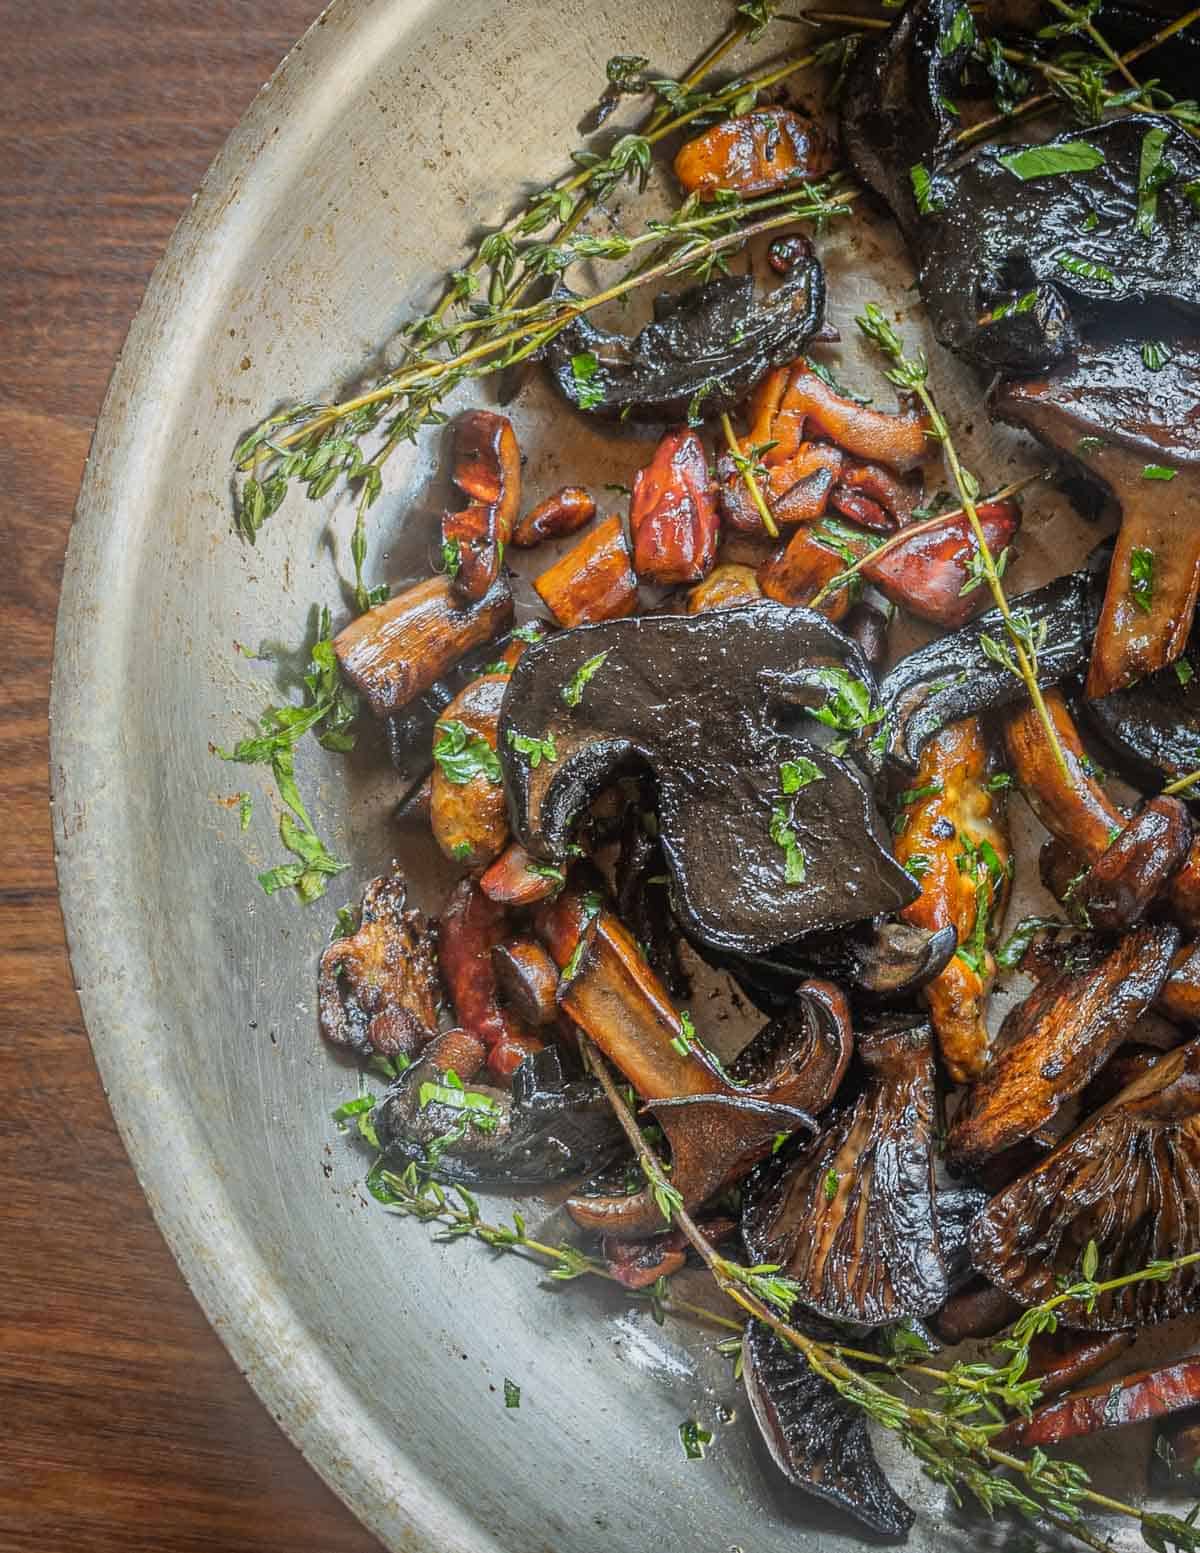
(1154, 173)
(795, 774)
(1016, 945)
(928, 203)
(848, 706)
(1086, 269)
(1184, 672)
(1158, 472)
(584, 368)
(535, 750)
(1155, 355)
(532, 631)
(999, 782)
(917, 865)
(1141, 577)
(572, 691)
(463, 755)
(1089, 445)
(481, 1111)
(451, 558)
(783, 834)
(960, 34)
(245, 810)
(832, 1180)
(512, 1392)
(1023, 304)
(1072, 156)
(693, 1439)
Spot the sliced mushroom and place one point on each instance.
(867, 627)
(539, 1129)
(753, 153)
(798, 571)
(673, 512)
(718, 1125)
(952, 838)
(516, 879)
(799, 404)
(818, 1440)
(468, 811)
(953, 676)
(933, 575)
(487, 470)
(745, 804)
(593, 581)
(528, 980)
(979, 1310)
(957, 1207)
(850, 1217)
(1153, 728)
(1053, 1043)
(723, 587)
(1176, 1458)
(1136, 867)
(1110, 1405)
(1062, 1359)
(796, 488)
(639, 1263)
(1133, 428)
(1129, 1179)
(398, 649)
(472, 926)
(568, 509)
(872, 496)
(377, 989)
(685, 360)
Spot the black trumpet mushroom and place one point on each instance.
(850, 1217)
(705, 350)
(543, 1128)
(818, 1440)
(766, 834)
(1153, 728)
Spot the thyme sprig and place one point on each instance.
(952, 1442)
(1020, 655)
(747, 466)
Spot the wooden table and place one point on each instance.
(126, 1425)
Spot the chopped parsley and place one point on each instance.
(795, 774)
(832, 1181)
(917, 865)
(1184, 672)
(999, 782)
(1141, 577)
(584, 368)
(1075, 156)
(1016, 945)
(912, 794)
(1086, 269)
(358, 1111)
(1158, 472)
(512, 1393)
(687, 1034)
(1023, 304)
(463, 755)
(533, 631)
(848, 704)
(922, 186)
(783, 834)
(480, 1111)
(694, 1438)
(572, 691)
(535, 750)
(960, 34)
(1087, 445)
(452, 557)
(1154, 173)
(1155, 355)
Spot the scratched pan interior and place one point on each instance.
(393, 128)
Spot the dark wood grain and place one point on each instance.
(126, 1425)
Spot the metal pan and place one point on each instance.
(393, 128)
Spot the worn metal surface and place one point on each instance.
(393, 128)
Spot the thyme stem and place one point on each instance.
(745, 467)
(1183, 783)
(913, 374)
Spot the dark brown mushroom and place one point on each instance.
(1135, 868)
(562, 513)
(1110, 1405)
(818, 1440)
(797, 404)
(979, 1310)
(673, 512)
(766, 835)
(516, 879)
(538, 1129)
(528, 981)
(398, 649)
(850, 1217)
(487, 470)
(1175, 1462)
(377, 989)
(718, 1124)
(1133, 428)
(724, 586)
(1054, 1042)
(1128, 1179)
(952, 837)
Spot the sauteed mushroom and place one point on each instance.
(753, 153)
(1110, 1405)
(487, 470)
(467, 808)
(1128, 1179)
(818, 1441)
(593, 581)
(851, 1216)
(377, 990)
(472, 926)
(673, 514)
(746, 807)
